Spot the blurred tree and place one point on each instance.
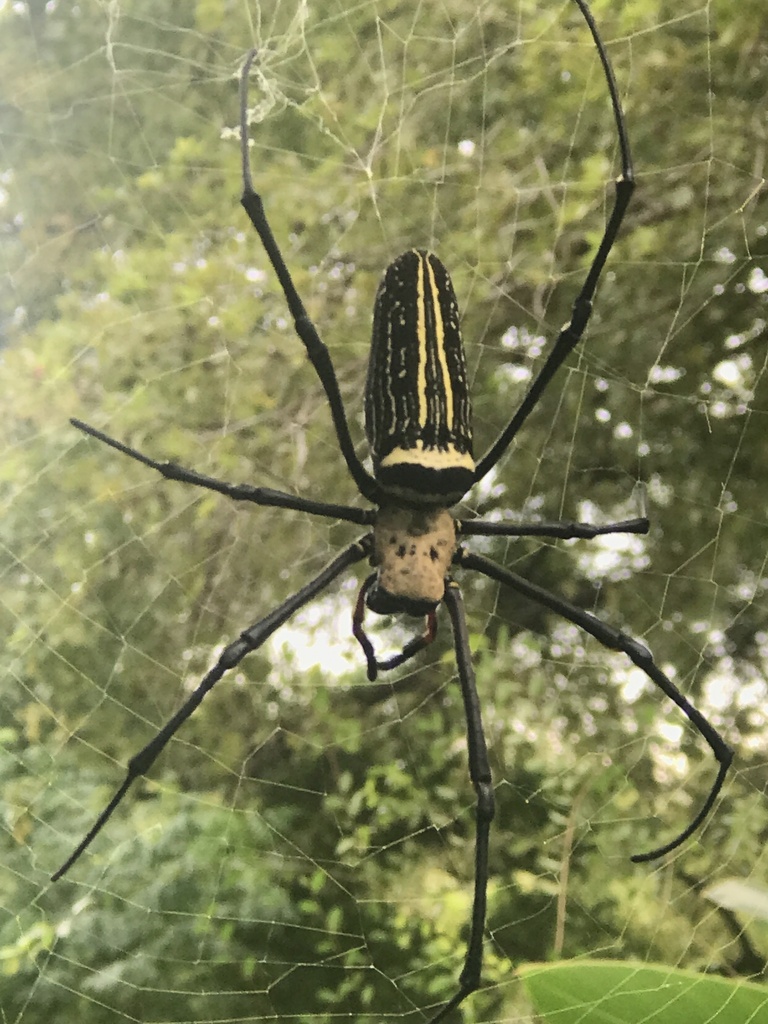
(305, 845)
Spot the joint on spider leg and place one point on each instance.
(625, 185)
(637, 652)
(469, 979)
(232, 655)
(317, 350)
(486, 801)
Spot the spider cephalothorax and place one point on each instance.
(418, 424)
(413, 551)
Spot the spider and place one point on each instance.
(418, 426)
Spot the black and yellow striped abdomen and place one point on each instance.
(417, 405)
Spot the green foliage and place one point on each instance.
(634, 993)
(304, 846)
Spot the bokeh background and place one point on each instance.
(303, 849)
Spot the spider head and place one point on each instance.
(412, 552)
(413, 549)
(384, 602)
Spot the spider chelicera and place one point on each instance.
(418, 425)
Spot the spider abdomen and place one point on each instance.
(417, 404)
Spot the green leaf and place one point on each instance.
(609, 992)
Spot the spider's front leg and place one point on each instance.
(480, 774)
(248, 641)
(413, 550)
(616, 640)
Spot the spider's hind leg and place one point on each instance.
(316, 350)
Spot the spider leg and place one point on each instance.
(616, 640)
(570, 335)
(238, 492)
(249, 640)
(316, 350)
(480, 774)
(565, 529)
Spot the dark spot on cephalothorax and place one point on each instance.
(433, 554)
(401, 551)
